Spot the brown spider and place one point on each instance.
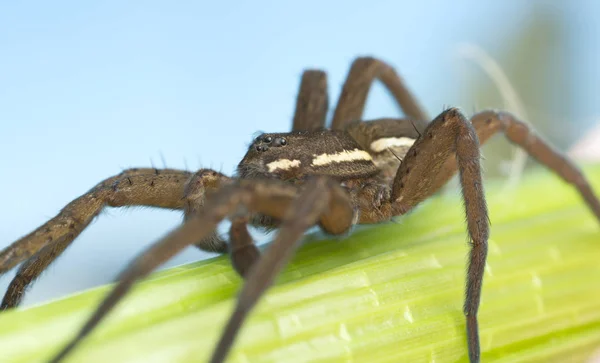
(333, 178)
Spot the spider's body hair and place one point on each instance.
(283, 164)
(344, 156)
(387, 140)
(386, 143)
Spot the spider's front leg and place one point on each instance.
(132, 187)
(450, 135)
(145, 186)
(320, 200)
(163, 188)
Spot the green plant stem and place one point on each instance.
(387, 293)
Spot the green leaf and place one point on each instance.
(387, 293)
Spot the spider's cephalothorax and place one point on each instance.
(300, 154)
(294, 157)
(356, 171)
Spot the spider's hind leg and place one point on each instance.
(488, 123)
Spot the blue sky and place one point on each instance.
(89, 88)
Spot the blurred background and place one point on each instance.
(90, 88)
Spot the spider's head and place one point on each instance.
(273, 155)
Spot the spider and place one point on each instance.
(354, 172)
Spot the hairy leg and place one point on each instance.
(201, 184)
(271, 198)
(151, 187)
(489, 123)
(243, 252)
(352, 101)
(448, 145)
(31, 269)
(321, 201)
(312, 102)
(450, 135)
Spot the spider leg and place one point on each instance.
(449, 144)
(30, 270)
(152, 187)
(312, 102)
(450, 134)
(272, 198)
(155, 188)
(488, 123)
(319, 201)
(204, 181)
(353, 98)
(194, 193)
(243, 252)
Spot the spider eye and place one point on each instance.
(280, 141)
(268, 139)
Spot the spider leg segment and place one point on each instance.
(243, 252)
(272, 198)
(150, 187)
(31, 269)
(312, 102)
(204, 181)
(352, 101)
